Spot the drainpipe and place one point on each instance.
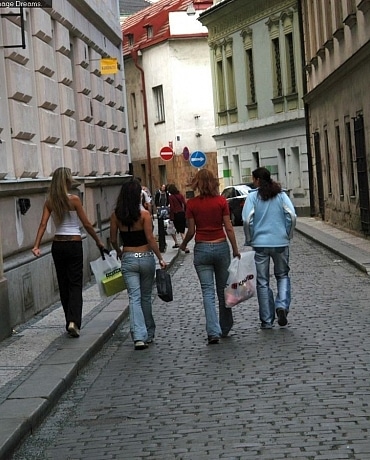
(306, 113)
(134, 55)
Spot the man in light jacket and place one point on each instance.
(269, 219)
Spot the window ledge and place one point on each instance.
(339, 34)
(277, 100)
(364, 6)
(350, 20)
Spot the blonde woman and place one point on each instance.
(67, 212)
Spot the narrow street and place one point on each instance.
(298, 392)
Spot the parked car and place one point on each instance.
(235, 196)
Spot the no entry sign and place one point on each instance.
(166, 153)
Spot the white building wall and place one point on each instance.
(274, 128)
(56, 109)
(181, 66)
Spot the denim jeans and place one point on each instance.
(211, 261)
(267, 304)
(138, 273)
(68, 261)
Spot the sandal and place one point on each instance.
(176, 246)
(187, 251)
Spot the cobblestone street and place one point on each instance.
(300, 392)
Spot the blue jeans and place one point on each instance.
(138, 273)
(211, 261)
(267, 304)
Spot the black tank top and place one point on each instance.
(133, 238)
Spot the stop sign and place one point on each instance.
(166, 153)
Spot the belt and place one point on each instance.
(143, 254)
(67, 238)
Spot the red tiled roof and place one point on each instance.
(156, 16)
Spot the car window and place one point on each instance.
(227, 193)
(242, 190)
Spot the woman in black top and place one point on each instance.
(138, 265)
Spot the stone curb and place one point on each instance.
(28, 405)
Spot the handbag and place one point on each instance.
(242, 279)
(164, 285)
(171, 230)
(108, 274)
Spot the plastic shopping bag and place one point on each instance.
(171, 230)
(242, 279)
(164, 285)
(108, 275)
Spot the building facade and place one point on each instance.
(337, 49)
(169, 92)
(257, 77)
(57, 108)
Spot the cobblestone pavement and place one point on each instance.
(300, 392)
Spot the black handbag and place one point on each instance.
(164, 285)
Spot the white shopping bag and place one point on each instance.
(108, 275)
(171, 230)
(242, 279)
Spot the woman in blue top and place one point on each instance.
(269, 220)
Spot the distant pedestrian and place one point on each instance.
(146, 198)
(208, 217)
(269, 220)
(66, 210)
(177, 213)
(134, 226)
(162, 202)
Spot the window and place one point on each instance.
(327, 157)
(230, 83)
(220, 87)
(282, 168)
(255, 160)
(251, 88)
(278, 87)
(149, 31)
(351, 171)
(340, 160)
(133, 109)
(159, 104)
(292, 86)
(296, 168)
(130, 39)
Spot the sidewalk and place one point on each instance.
(354, 249)
(39, 362)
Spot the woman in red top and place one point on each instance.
(209, 220)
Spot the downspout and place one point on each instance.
(134, 55)
(306, 113)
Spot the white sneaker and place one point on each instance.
(140, 345)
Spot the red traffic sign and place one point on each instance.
(166, 153)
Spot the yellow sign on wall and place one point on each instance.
(108, 66)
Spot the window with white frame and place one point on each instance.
(159, 104)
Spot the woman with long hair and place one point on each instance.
(208, 217)
(269, 220)
(177, 212)
(135, 228)
(66, 210)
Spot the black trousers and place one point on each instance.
(68, 261)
